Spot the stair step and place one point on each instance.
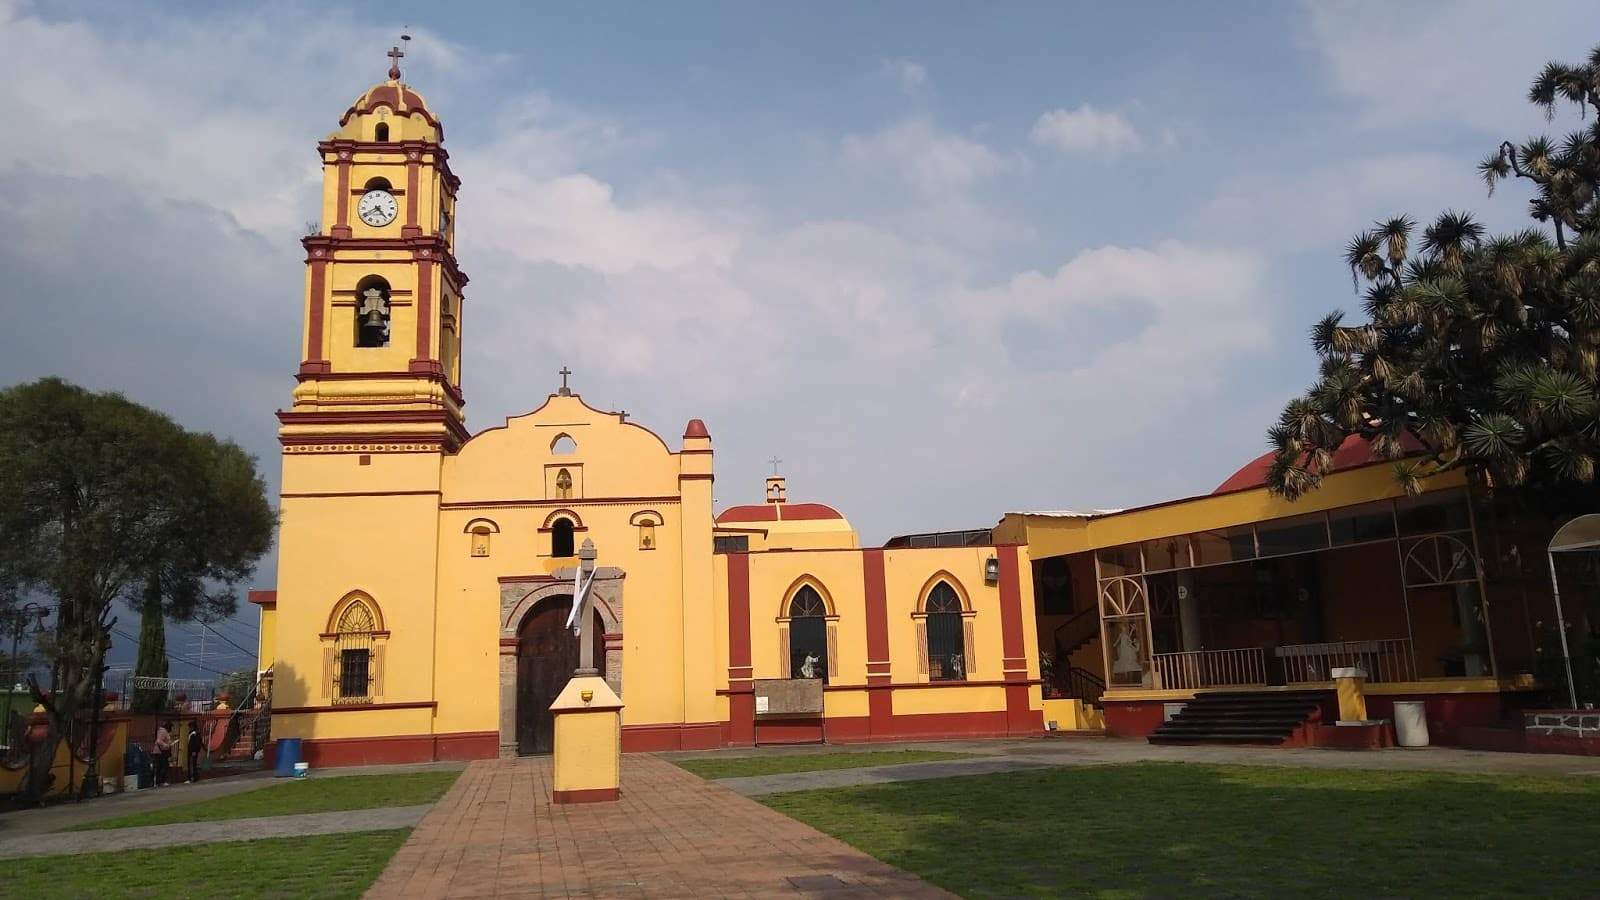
(1265, 717)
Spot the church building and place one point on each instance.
(425, 574)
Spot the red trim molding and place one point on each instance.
(264, 599)
(358, 707)
(592, 795)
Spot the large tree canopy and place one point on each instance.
(102, 500)
(1482, 349)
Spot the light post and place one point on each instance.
(16, 622)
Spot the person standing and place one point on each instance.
(163, 754)
(193, 756)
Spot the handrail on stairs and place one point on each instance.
(1089, 617)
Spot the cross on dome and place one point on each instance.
(395, 54)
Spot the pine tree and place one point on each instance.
(152, 647)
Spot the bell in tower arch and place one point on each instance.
(372, 318)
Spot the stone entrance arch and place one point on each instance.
(519, 597)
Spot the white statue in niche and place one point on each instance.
(1126, 648)
(808, 668)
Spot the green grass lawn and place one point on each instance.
(286, 798)
(779, 764)
(1154, 829)
(324, 866)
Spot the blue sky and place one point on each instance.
(946, 260)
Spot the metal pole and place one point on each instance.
(1561, 628)
(16, 637)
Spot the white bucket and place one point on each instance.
(1411, 723)
(302, 769)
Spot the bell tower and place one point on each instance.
(381, 345)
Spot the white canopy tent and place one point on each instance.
(1577, 536)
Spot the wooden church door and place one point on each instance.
(547, 652)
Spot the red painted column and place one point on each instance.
(741, 691)
(880, 703)
(424, 361)
(316, 301)
(413, 164)
(341, 223)
(1014, 660)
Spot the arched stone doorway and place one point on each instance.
(547, 653)
(537, 606)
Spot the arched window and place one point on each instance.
(480, 540)
(563, 445)
(561, 538)
(372, 312)
(947, 649)
(808, 635)
(381, 133)
(564, 485)
(354, 656)
(378, 183)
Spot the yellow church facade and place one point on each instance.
(425, 574)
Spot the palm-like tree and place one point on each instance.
(1481, 349)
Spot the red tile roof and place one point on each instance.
(769, 512)
(1355, 451)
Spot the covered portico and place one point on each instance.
(1434, 597)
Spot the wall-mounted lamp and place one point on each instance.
(586, 695)
(991, 570)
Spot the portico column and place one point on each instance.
(1188, 613)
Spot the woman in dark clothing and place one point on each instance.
(193, 747)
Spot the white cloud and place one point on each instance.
(1087, 130)
(907, 74)
(864, 347)
(1465, 63)
(919, 152)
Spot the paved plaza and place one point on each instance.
(671, 835)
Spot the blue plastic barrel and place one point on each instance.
(285, 756)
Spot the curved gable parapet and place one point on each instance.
(609, 457)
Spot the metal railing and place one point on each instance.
(1194, 669)
(1387, 659)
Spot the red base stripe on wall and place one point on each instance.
(403, 748)
(656, 738)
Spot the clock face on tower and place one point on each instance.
(377, 208)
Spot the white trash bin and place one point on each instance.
(1411, 723)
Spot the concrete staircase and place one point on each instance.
(1264, 717)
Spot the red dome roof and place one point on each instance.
(1354, 452)
(696, 429)
(396, 95)
(769, 512)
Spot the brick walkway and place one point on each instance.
(671, 835)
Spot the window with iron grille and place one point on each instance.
(353, 656)
(808, 635)
(947, 657)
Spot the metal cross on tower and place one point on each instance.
(565, 391)
(773, 462)
(394, 54)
